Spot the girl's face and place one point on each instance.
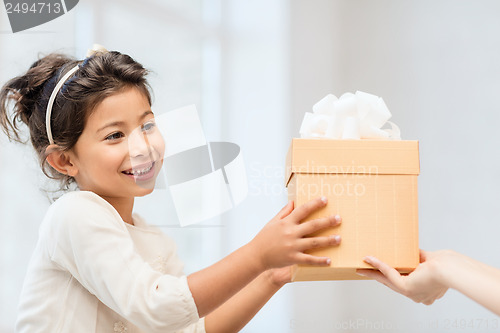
(120, 151)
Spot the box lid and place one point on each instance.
(328, 156)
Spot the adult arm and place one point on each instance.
(439, 271)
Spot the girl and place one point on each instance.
(97, 266)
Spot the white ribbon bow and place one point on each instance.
(96, 48)
(352, 116)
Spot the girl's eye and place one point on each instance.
(115, 136)
(148, 127)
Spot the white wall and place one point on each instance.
(255, 102)
(203, 52)
(436, 65)
(253, 68)
(22, 205)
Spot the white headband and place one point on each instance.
(95, 49)
(53, 98)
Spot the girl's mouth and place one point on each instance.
(141, 172)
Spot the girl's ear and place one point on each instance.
(61, 161)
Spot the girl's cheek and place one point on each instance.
(159, 144)
(116, 151)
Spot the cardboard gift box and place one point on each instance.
(372, 185)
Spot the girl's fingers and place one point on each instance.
(303, 211)
(442, 293)
(307, 259)
(309, 227)
(285, 211)
(318, 242)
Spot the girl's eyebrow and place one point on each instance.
(118, 123)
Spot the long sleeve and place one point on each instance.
(88, 238)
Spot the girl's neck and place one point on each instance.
(124, 207)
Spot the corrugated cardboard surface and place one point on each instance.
(373, 185)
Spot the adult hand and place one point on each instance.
(424, 285)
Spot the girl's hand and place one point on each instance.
(280, 276)
(283, 240)
(423, 285)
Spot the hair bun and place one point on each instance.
(27, 93)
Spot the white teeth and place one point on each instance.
(139, 172)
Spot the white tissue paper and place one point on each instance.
(352, 116)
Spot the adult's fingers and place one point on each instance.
(423, 256)
(303, 211)
(311, 226)
(374, 274)
(378, 276)
(390, 273)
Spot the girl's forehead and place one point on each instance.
(124, 106)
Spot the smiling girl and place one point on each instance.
(99, 267)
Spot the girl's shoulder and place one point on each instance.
(80, 201)
(82, 208)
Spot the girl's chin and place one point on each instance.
(143, 188)
(145, 191)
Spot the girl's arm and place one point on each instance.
(439, 271)
(280, 243)
(236, 312)
(85, 236)
(233, 315)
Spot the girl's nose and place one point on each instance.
(138, 144)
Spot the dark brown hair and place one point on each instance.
(99, 76)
